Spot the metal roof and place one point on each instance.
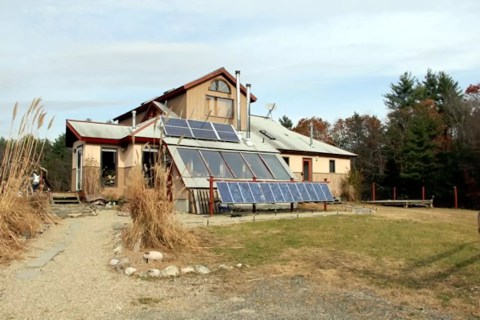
(287, 140)
(89, 129)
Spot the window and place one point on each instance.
(287, 160)
(220, 86)
(108, 162)
(194, 163)
(332, 166)
(219, 107)
(275, 167)
(258, 167)
(238, 165)
(149, 159)
(216, 164)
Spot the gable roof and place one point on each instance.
(182, 89)
(287, 140)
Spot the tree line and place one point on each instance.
(430, 139)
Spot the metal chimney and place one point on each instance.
(134, 120)
(248, 85)
(239, 120)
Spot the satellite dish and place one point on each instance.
(270, 107)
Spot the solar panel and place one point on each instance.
(303, 192)
(194, 124)
(311, 191)
(223, 127)
(326, 191)
(277, 192)
(267, 192)
(228, 136)
(174, 131)
(235, 192)
(257, 192)
(294, 191)
(246, 192)
(224, 192)
(204, 134)
(287, 195)
(175, 122)
(318, 189)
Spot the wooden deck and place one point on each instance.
(403, 203)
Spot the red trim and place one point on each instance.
(70, 127)
(189, 85)
(310, 168)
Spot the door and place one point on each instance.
(79, 172)
(307, 169)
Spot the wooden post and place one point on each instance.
(210, 202)
(291, 203)
(423, 193)
(373, 191)
(455, 197)
(394, 193)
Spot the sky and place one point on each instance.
(97, 59)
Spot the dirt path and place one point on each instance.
(66, 276)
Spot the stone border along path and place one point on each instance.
(65, 275)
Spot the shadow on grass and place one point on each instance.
(425, 272)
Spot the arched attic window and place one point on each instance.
(220, 86)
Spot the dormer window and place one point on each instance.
(220, 86)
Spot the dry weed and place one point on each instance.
(91, 177)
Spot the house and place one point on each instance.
(202, 129)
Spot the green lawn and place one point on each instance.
(441, 256)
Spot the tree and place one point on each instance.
(286, 122)
(58, 162)
(321, 129)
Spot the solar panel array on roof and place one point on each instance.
(202, 130)
(273, 192)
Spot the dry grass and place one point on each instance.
(153, 214)
(20, 212)
(91, 177)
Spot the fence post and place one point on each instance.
(455, 196)
(210, 204)
(423, 193)
(373, 191)
(394, 193)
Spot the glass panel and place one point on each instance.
(238, 166)
(219, 85)
(216, 164)
(194, 163)
(257, 165)
(149, 158)
(219, 107)
(275, 167)
(109, 167)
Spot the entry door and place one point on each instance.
(79, 174)
(307, 169)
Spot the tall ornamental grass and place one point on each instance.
(21, 211)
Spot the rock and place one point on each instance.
(108, 205)
(239, 265)
(187, 269)
(74, 215)
(118, 249)
(154, 272)
(130, 270)
(170, 271)
(152, 256)
(202, 269)
(123, 264)
(114, 262)
(225, 267)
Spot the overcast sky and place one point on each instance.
(100, 58)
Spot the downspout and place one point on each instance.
(239, 120)
(248, 109)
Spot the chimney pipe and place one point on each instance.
(248, 85)
(134, 120)
(239, 120)
(311, 133)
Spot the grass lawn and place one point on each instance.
(425, 256)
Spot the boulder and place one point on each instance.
(130, 270)
(188, 269)
(170, 271)
(114, 262)
(154, 272)
(152, 256)
(202, 269)
(123, 264)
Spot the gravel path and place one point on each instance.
(65, 275)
